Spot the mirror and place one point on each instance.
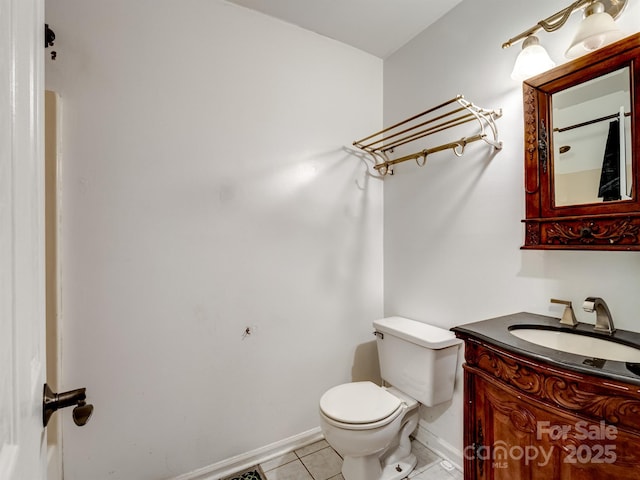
(592, 141)
(582, 152)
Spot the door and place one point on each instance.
(22, 294)
(52, 222)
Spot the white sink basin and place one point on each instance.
(583, 345)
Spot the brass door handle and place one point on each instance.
(55, 401)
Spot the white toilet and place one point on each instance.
(368, 425)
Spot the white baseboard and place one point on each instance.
(438, 445)
(238, 463)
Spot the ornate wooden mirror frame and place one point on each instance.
(603, 225)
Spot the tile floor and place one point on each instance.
(319, 461)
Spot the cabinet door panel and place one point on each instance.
(516, 437)
(512, 449)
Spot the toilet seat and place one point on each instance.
(360, 406)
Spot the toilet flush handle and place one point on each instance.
(378, 334)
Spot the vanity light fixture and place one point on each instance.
(596, 30)
(532, 60)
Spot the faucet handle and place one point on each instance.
(568, 317)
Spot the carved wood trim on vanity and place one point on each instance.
(521, 418)
(614, 233)
(529, 97)
(591, 397)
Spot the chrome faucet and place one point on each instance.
(604, 320)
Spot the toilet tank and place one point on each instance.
(418, 359)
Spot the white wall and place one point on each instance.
(206, 189)
(452, 228)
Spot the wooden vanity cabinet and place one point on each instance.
(524, 419)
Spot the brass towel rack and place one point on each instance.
(449, 114)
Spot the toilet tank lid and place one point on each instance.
(420, 333)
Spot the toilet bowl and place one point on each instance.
(368, 425)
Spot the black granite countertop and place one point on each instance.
(495, 331)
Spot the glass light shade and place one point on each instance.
(595, 31)
(532, 60)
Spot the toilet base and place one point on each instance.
(369, 468)
(400, 469)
